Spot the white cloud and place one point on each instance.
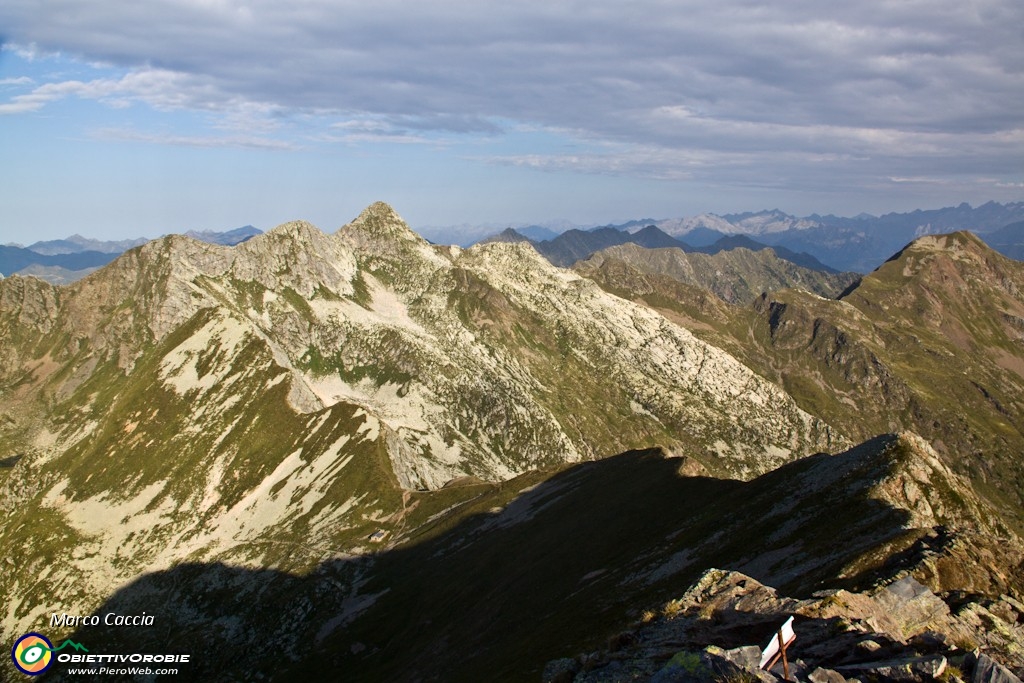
(250, 142)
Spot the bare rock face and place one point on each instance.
(906, 608)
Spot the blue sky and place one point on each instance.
(124, 119)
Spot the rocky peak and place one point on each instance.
(34, 301)
(296, 255)
(388, 248)
(952, 273)
(512, 256)
(294, 237)
(926, 251)
(376, 222)
(300, 230)
(932, 494)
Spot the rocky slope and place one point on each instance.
(273, 404)
(931, 341)
(515, 574)
(61, 262)
(897, 631)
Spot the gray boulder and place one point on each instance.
(987, 670)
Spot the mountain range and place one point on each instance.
(737, 275)
(856, 244)
(575, 245)
(64, 261)
(860, 243)
(436, 463)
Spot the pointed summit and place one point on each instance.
(389, 248)
(378, 221)
(379, 211)
(296, 255)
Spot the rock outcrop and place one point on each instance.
(899, 631)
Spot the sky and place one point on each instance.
(122, 119)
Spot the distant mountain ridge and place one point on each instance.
(64, 261)
(228, 238)
(835, 243)
(1008, 240)
(735, 275)
(76, 244)
(730, 242)
(859, 244)
(573, 246)
(15, 259)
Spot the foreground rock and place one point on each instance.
(899, 631)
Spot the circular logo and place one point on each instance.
(32, 654)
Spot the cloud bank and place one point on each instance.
(795, 94)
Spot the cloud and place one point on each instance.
(668, 90)
(159, 88)
(358, 127)
(241, 141)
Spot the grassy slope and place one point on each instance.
(920, 344)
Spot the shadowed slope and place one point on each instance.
(536, 567)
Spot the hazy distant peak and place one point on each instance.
(507, 235)
(229, 237)
(76, 244)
